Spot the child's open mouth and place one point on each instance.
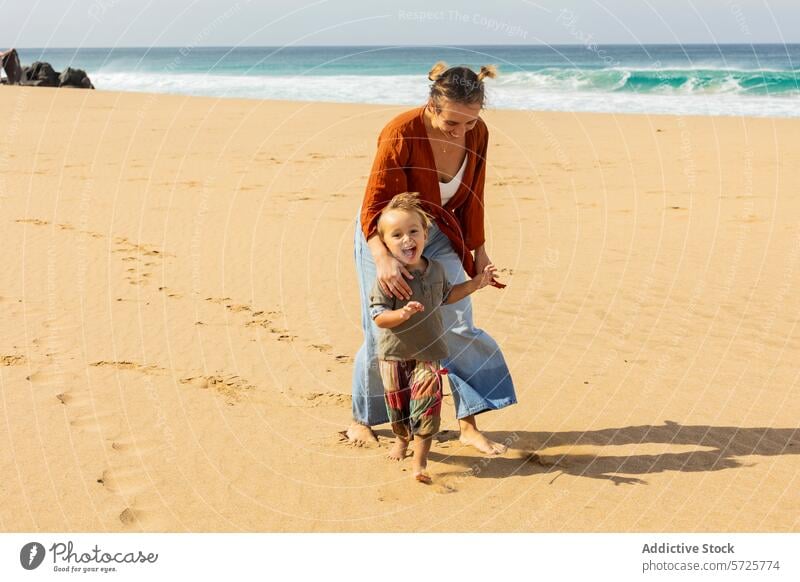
(409, 252)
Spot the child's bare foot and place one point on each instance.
(398, 450)
(421, 448)
(360, 434)
(423, 477)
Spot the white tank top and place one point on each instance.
(448, 189)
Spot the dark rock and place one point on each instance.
(75, 78)
(40, 74)
(9, 61)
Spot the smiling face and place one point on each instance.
(454, 119)
(404, 234)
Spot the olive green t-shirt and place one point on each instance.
(421, 337)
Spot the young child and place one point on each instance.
(411, 340)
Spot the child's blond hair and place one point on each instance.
(410, 202)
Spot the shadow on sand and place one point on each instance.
(722, 444)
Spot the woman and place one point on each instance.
(439, 151)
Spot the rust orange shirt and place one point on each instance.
(405, 163)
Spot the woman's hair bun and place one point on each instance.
(458, 84)
(437, 70)
(487, 71)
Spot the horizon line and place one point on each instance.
(543, 45)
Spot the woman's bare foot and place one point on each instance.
(483, 444)
(398, 450)
(471, 436)
(360, 434)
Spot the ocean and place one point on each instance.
(751, 80)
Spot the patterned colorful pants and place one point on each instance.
(413, 393)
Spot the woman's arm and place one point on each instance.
(387, 178)
(472, 211)
(472, 216)
(481, 258)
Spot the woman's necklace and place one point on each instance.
(443, 142)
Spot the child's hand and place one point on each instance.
(411, 308)
(485, 278)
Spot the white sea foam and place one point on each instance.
(555, 90)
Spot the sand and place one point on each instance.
(179, 314)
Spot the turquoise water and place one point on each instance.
(761, 80)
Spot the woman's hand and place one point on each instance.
(390, 275)
(485, 277)
(389, 271)
(481, 259)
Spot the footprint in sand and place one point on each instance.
(104, 423)
(35, 221)
(128, 516)
(230, 386)
(48, 377)
(124, 245)
(235, 307)
(150, 369)
(265, 158)
(12, 360)
(136, 446)
(265, 322)
(64, 398)
(138, 274)
(258, 318)
(250, 188)
(326, 399)
(126, 481)
(170, 293)
(218, 299)
(60, 225)
(321, 347)
(509, 181)
(283, 335)
(108, 482)
(449, 482)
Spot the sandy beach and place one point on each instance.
(179, 313)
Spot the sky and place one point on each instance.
(146, 23)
